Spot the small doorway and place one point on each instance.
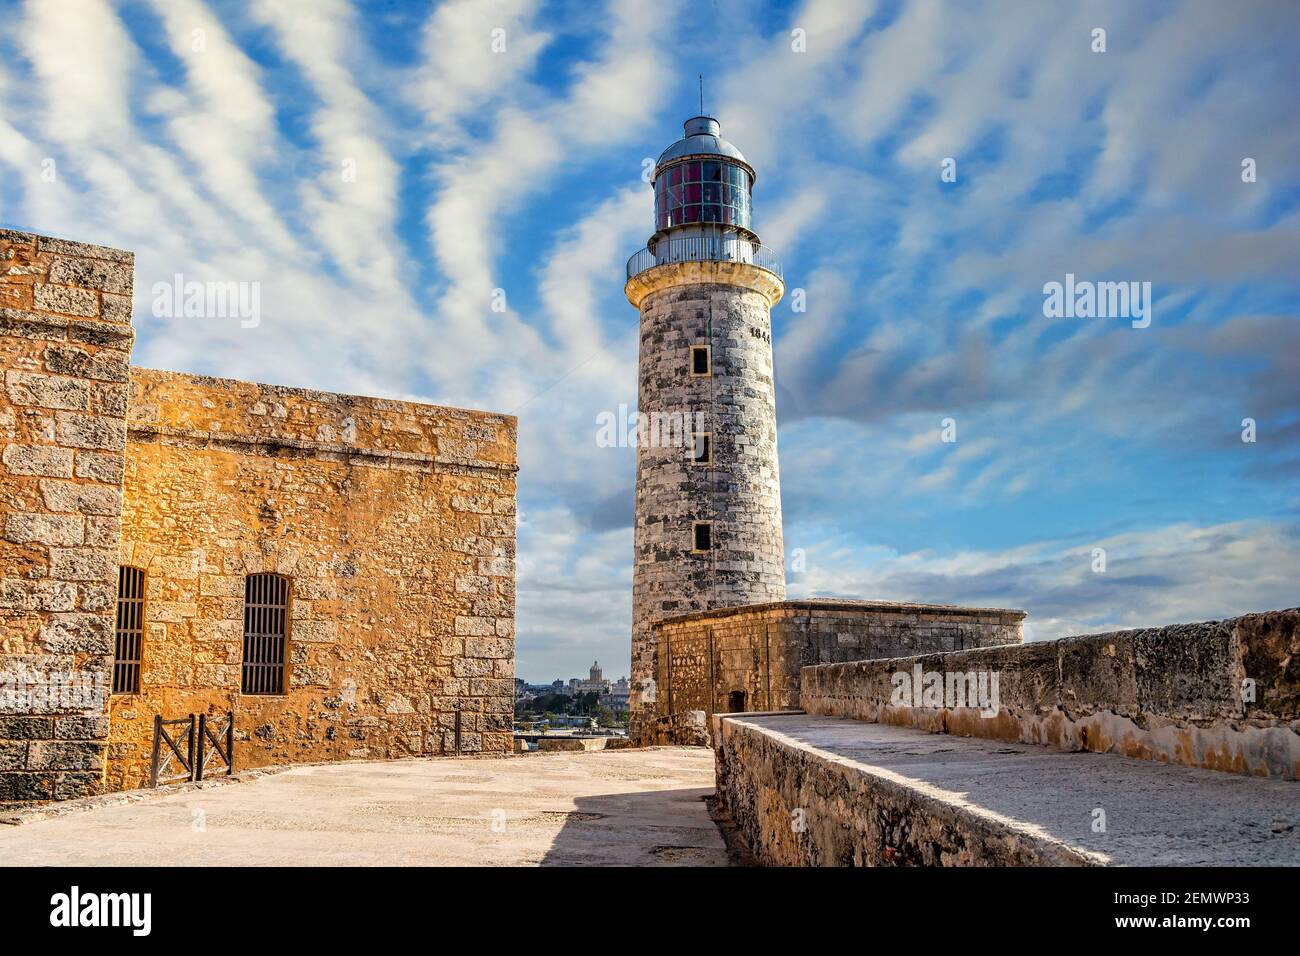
(736, 702)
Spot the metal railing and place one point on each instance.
(705, 249)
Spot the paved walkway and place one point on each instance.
(620, 807)
(1155, 814)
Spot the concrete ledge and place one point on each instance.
(825, 791)
(1171, 694)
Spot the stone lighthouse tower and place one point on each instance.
(708, 492)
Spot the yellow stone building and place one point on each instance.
(335, 571)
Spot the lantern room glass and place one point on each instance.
(708, 191)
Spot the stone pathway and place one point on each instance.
(1154, 814)
(619, 807)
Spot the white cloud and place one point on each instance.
(467, 63)
(1153, 577)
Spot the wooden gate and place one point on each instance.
(192, 749)
(219, 731)
(180, 749)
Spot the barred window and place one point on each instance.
(128, 637)
(266, 633)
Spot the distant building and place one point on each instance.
(620, 693)
(595, 682)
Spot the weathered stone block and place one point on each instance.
(47, 391)
(28, 527)
(1099, 674)
(81, 728)
(13, 756)
(22, 787)
(97, 597)
(83, 564)
(26, 728)
(78, 633)
(23, 595)
(103, 532)
(88, 499)
(64, 755)
(98, 274)
(91, 431)
(68, 247)
(109, 398)
(1187, 670)
(103, 466)
(216, 585)
(471, 667)
(473, 584)
(42, 460)
(71, 786)
(315, 632)
(116, 308)
(474, 626)
(1270, 658)
(64, 300)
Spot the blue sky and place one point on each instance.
(208, 137)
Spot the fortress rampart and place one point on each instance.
(337, 571)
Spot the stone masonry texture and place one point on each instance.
(1219, 695)
(811, 790)
(65, 345)
(739, 492)
(750, 658)
(393, 522)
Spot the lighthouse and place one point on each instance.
(708, 490)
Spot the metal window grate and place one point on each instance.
(128, 638)
(266, 618)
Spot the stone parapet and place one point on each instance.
(1222, 695)
(808, 790)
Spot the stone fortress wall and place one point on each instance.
(393, 523)
(1222, 695)
(750, 658)
(65, 346)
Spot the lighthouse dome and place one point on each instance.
(702, 136)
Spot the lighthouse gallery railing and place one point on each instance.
(704, 249)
